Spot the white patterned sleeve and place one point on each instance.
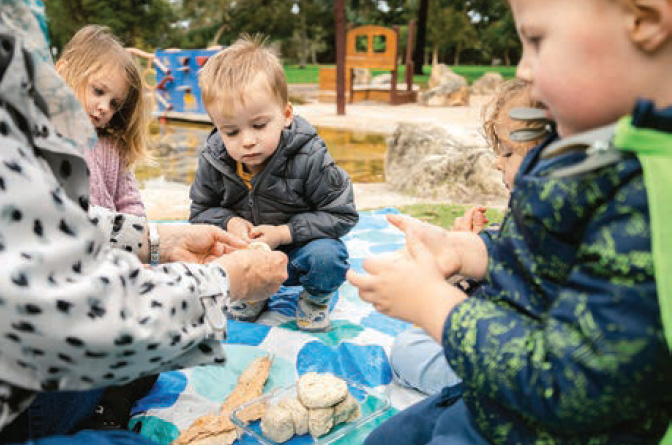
(76, 313)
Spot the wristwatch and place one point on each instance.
(153, 245)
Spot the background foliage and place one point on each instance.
(458, 31)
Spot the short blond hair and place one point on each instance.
(92, 51)
(497, 124)
(226, 76)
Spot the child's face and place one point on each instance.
(104, 94)
(251, 130)
(508, 162)
(577, 55)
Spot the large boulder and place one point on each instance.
(451, 164)
(445, 89)
(487, 84)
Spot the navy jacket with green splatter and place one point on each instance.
(565, 342)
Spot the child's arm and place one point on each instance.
(128, 198)
(597, 355)
(329, 190)
(205, 200)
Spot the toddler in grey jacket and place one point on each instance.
(265, 175)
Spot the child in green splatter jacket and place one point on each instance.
(566, 342)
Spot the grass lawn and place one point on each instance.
(444, 214)
(310, 74)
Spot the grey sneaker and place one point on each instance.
(312, 312)
(246, 311)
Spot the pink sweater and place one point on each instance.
(112, 186)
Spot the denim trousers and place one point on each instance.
(53, 417)
(319, 266)
(418, 362)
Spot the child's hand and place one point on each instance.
(454, 252)
(473, 220)
(274, 236)
(240, 227)
(408, 285)
(434, 238)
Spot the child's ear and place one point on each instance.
(289, 114)
(650, 23)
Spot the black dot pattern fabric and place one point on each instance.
(78, 309)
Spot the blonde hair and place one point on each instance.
(226, 76)
(92, 51)
(496, 121)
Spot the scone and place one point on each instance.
(277, 424)
(320, 421)
(321, 390)
(347, 411)
(299, 414)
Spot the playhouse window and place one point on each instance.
(362, 44)
(379, 44)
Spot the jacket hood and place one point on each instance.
(292, 139)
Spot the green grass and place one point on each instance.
(310, 74)
(444, 214)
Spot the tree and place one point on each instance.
(501, 39)
(452, 29)
(128, 19)
(211, 16)
(420, 38)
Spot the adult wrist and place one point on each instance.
(154, 245)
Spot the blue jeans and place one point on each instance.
(319, 266)
(52, 415)
(418, 362)
(442, 419)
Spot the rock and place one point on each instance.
(382, 79)
(441, 74)
(434, 162)
(445, 89)
(361, 76)
(488, 83)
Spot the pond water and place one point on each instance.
(175, 148)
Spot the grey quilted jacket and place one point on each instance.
(301, 186)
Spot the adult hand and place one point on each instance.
(195, 243)
(408, 285)
(254, 274)
(274, 236)
(454, 252)
(473, 220)
(240, 227)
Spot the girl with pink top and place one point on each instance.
(108, 83)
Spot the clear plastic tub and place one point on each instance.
(371, 402)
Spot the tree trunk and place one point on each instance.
(458, 50)
(304, 42)
(418, 54)
(435, 55)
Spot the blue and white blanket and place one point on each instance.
(356, 348)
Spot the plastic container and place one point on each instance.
(372, 403)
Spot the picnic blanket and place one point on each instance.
(357, 348)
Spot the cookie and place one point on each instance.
(321, 390)
(299, 414)
(320, 421)
(277, 424)
(259, 245)
(347, 411)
